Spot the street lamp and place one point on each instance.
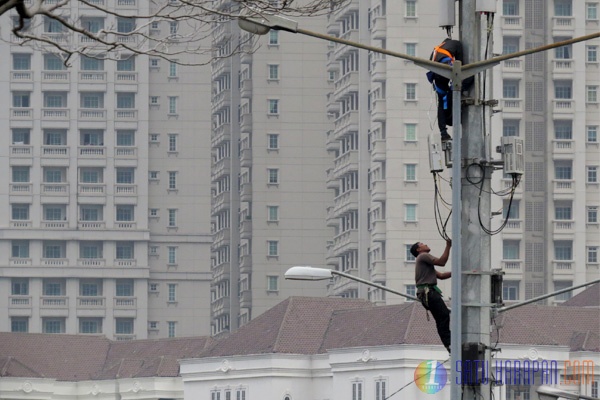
(306, 273)
(551, 393)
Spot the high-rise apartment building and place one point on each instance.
(105, 198)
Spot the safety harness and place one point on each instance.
(447, 59)
(425, 298)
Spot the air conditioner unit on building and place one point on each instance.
(512, 155)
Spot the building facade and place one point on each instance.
(106, 168)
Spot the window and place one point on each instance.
(53, 249)
(124, 287)
(510, 127)
(410, 91)
(173, 28)
(563, 90)
(171, 255)
(20, 212)
(92, 24)
(591, 11)
(172, 217)
(510, 7)
(172, 292)
(20, 249)
(510, 250)
(563, 52)
(90, 175)
(381, 384)
(172, 69)
(591, 174)
(410, 172)
(52, 288)
(592, 215)
(510, 290)
(563, 210)
(272, 283)
(21, 136)
(172, 105)
(172, 142)
(91, 64)
(171, 328)
(272, 141)
(125, 100)
(407, 254)
(55, 99)
(172, 180)
(21, 99)
(125, 213)
(125, 137)
(125, 250)
(89, 289)
(19, 286)
(563, 250)
(510, 89)
(154, 212)
(563, 8)
(273, 71)
(153, 176)
(91, 100)
(410, 49)
(559, 285)
(357, 388)
(52, 62)
(592, 254)
(410, 132)
(563, 129)
(154, 63)
(410, 9)
(410, 212)
(510, 44)
(272, 248)
(91, 212)
(125, 25)
(153, 287)
(591, 93)
(123, 326)
(126, 64)
(52, 25)
(19, 324)
(595, 389)
(91, 137)
(153, 325)
(90, 250)
(21, 62)
(563, 170)
(154, 100)
(273, 37)
(53, 325)
(273, 106)
(153, 251)
(54, 212)
(90, 325)
(272, 213)
(20, 174)
(55, 137)
(591, 54)
(592, 133)
(272, 176)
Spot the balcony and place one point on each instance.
(92, 114)
(125, 225)
(330, 258)
(563, 69)
(21, 113)
(563, 26)
(342, 49)
(246, 123)
(246, 192)
(378, 230)
(54, 224)
(246, 89)
(125, 152)
(221, 66)
(378, 150)
(221, 202)
(124, 336)
(220, 305)
(125, 302)
(345, 163)
(126, 115)
(55, 114)
(221, 134)
(512, 106)
(563, 106)
(54, 302)
(54, 262)
(331, 144)
(19, 301)
(246, 229)
(92, 151)
(346, 84)
(564, 187)
(512, 266)
(346, 123)
(90, 302)
(221, 271)
(331, 220)
(92, 77)
(378, 190)
(125, 263)
(563, 228)
(345, 241)
(563, 267)
(18, 223)
(20, 262)
(21, 76)
(345, 202)
(55, 151)
(379, 68)
(379, 28)
(246, 157)
(379, 110)
(21, 150)
(54, 189)
(331, 181)
(221, 168)
(126, 77)
(125, 189)
(221, 100)
(513, 226)
(94, 189)
(55, 76)
(514, 65)
(91, 225)
(512, 22)
(21, 188)
(245, 264)
(563, 149)
(91, 262)
(246, 299)
(221, 238)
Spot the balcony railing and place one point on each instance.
(55, 151)
(54, 262)
(19, 301)
(90, 302)
(55, 188)
(54, 301)
(92, 151)
(91, 262)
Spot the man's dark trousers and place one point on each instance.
(441, 314)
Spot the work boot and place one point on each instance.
(446, 137)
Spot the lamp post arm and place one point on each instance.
(366, 282)
(496, 60)
(545, 296)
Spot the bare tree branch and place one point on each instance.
(189, 26)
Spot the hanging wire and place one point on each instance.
(439, 219)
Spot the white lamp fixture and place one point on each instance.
(551, 393)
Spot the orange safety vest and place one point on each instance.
(439, 49)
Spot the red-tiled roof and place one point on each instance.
(298, 325)
(588, 298)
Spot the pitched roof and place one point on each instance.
(83, 357)
(588, 298)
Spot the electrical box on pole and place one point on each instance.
(447, 14)
(512, 155)
(435, 154)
